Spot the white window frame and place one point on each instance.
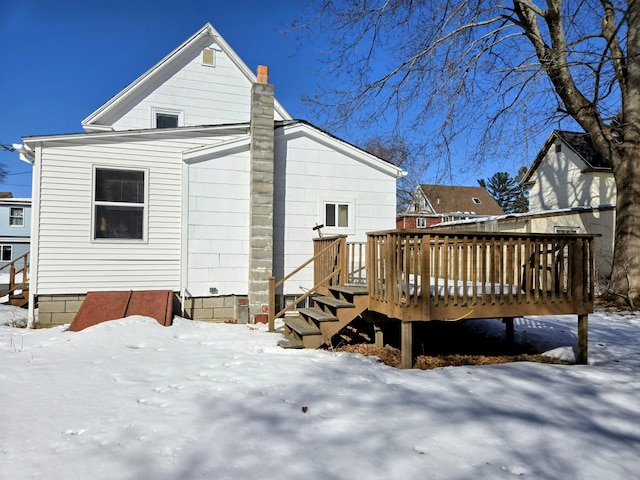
(13, 217)
(351, 207)
(2, 247)
(421, 222)
(166, 111)
(476, 200)
(144, 206)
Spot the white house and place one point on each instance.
(194, 179)
(571, 190)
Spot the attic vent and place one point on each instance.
(209, 57)
(476, 200)
(558, 148)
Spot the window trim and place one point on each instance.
(421, 222)
(155, 111)
(21, 217)
(145, 205)
(351, 207)
(566, 230)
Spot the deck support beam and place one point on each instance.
(583, 339)
(406, 347)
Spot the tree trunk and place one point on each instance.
(625, 276)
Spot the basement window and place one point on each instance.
(119, 204)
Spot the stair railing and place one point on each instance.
(330, 264)
(19, 266)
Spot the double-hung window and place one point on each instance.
(16, 216)
(119, 204)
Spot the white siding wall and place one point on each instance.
(68, 260)
(560, 183)
(314, 174)
(206, 95)
(218, 245)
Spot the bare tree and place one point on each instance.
(395, 150)
(493, 72)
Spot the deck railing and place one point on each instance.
(419, 275)
(18, 271)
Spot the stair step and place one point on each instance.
(318, 315)
(290, 343)
(350, 289)
(301, 326)
(333, 302)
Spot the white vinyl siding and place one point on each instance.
(316, 174)
(218, 241)
(69, 261)
(205, 95)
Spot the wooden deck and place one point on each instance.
(423, 275)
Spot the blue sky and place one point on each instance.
(63, 59)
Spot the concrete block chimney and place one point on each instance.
(261, 192)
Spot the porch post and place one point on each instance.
(583, 339)
(406, 347)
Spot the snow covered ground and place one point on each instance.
(130, 399)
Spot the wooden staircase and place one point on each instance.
(17, 288)
(330, 313)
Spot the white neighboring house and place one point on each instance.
(194, 179)
(571, 190)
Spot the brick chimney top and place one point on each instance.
(263, 74)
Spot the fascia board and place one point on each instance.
(208, 152)
(221, 129)
(304, 129)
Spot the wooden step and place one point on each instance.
(318, 315)
(290, 343)
(350, 289)
(333, 302)
(301, 326)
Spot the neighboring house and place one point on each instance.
(194, 179)
(15, 227)
(434, 204)
(568, 172)
(571, 190)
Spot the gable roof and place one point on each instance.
(581, 145)
(445, 199)
(163, 67)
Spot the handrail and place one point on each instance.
(411, 273)
(13, 272)
(335, 241)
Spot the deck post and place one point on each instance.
(379, 336)
(406, 347)
(510, 331)
(272, 303)
(583, 339)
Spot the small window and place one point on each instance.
(421, 222)
(7, 252)
(566, 230)
(558, 148)
(166, 120)
(336, 215)
(16, 217)
(119, 202)
(477, 201)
